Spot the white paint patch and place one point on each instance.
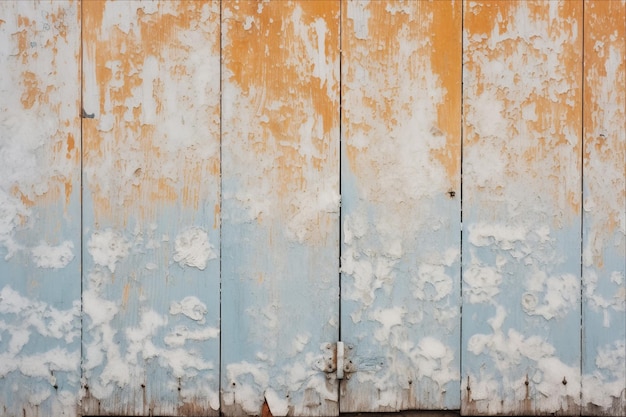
(483, 283)
(551, 297)
(359, 14)
(46, 256)
(505, 237)
(435, 361)
(388, 318)
(192, 248)
(119, 357)
(245, 379)
(432, 283)
(108, 247)
(181, 334)
(191, 307)
(278, 405)
(24, 323)
(605, 385)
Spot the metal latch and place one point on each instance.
(337, 361)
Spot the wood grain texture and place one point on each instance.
(281, 206)
(604, 222)
(522, 149)
(151, 207)
(401, 113)
(39, 208)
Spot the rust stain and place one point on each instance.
(119, 61)
(268, 60)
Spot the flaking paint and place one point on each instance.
(152, 207)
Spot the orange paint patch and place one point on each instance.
(433, 31)
(119, 60)
(542, 124)
(31, 89)
(272, 60)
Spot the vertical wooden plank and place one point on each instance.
(151, 207)
(521, 207)
(401, 122)
(39, 208)
(281, 203)
(604, 179)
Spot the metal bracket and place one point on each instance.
(336, 360)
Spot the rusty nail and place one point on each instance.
(452, 193)
(526, 382)
(564, 381)
(468, 388)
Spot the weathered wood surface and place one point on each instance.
(538, 126)
(604, 214)
(280, 176)
(151, 167)
(39, 208)
(522, 95)
(401, 160)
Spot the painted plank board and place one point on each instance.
(521, 207)
(280, 182)
(39, 208)
(401, 160)
(151, 207)
(604, 202)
